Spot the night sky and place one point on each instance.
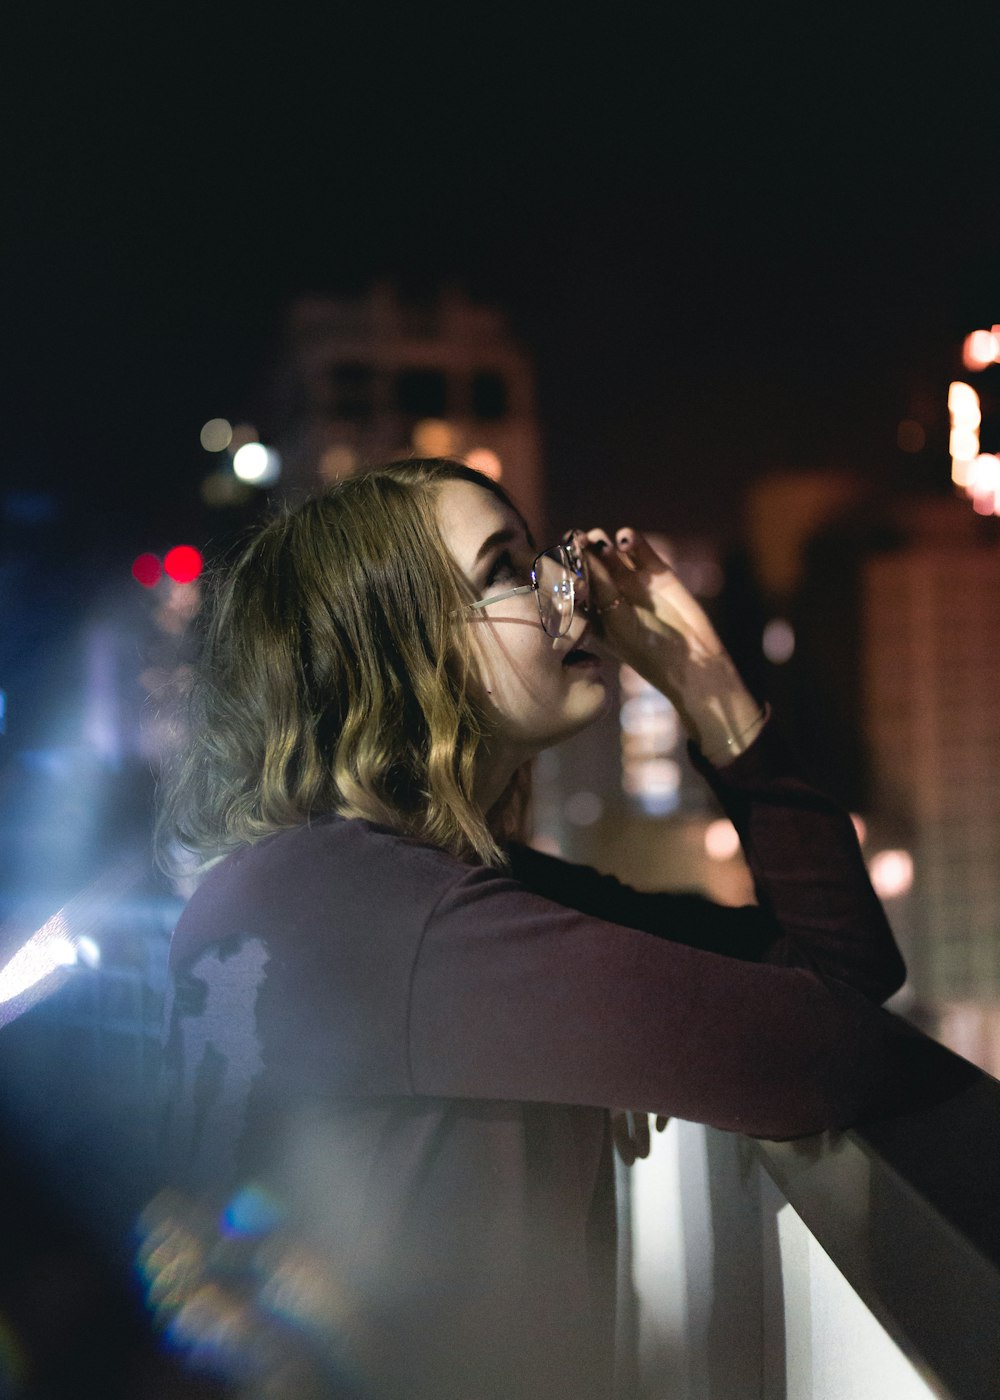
(730, 242)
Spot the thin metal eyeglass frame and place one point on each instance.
(573, 563)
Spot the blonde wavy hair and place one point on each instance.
(333, 676)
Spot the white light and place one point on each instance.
(45, 952)
(256, 464)
(216, 434)
(779, 640)
(963, 404)
(963, 444)
(891, 873)
(88, 951)
(722, 840)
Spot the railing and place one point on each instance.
(840, 1267)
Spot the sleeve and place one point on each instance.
(515, 996)
(816, 906)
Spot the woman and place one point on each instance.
(400, 1030)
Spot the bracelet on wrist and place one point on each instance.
(727, 754)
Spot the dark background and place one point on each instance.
(731, 241)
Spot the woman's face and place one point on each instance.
(538, 689)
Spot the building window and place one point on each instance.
(421, 392)
(489, 395)
(352, 392)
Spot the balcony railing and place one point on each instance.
(840, 1267)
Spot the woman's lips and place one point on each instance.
(579, 657)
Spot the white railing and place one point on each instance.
(840, 1267)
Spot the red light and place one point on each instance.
(147, 570)
(182, 563)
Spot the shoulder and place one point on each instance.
(333, 871)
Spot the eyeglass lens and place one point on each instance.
(556, 587)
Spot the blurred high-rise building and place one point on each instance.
(930, 619)
(370, 378)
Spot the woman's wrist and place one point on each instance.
(719, 713)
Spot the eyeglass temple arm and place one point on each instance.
(500, 597)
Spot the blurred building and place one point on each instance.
(887, 687)
(367, 379)
(931, 618)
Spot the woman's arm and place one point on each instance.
(816, 907)
(643, 615)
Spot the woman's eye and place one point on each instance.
(503, 571)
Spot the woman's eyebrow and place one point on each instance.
(491, 542)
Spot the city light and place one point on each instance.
(256, 464)
(963, 443)
(434, 437)
(779, 641)
(216, 434)
(891, 873)
(183, 563)
(983, 484)
(485, 460)
(981, 348)
(147, 570)
(722, 840)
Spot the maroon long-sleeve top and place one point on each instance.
(415, 1056)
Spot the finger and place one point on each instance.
(640, 1135)
(637, 548)
(661, 1122)
(622, 1138)
(605, 567)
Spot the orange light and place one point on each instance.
(485, 460)
(980, 349)
(183, 563)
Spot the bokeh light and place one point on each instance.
(485, 460)
(183, 563)
(778, 641)
(722, 840)
(433, 437)
(147, 570)
(256, 464)
(980, 349)
(891, 873)
(216, 434)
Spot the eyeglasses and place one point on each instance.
(558, 580)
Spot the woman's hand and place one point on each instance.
(631, 1135)
(643, 614)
